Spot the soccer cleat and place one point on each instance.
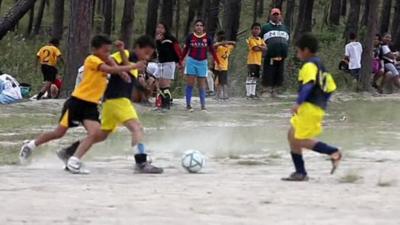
(203, 108)
(25, 152)
(189, 108)
(147, 168)
(296, 177)
(75, 166)
(335, 162)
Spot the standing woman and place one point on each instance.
(196, 46)
(169, 54)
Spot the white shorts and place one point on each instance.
(166, 71)
(390, 67)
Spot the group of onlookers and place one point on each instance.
(385, 65)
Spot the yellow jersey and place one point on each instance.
(223, 52)
(255, 57)
(94, 82)
(118, 59)
(48, 55)
(308, 73)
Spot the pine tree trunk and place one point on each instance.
(364, 19)
(114, 14)
(277, 4)
(255, 10)
(58, 19)
(334, 15)
(260, 8)
(30, 21)
(203, 12)
(343, 10)
(212, 20)
(167, 12)
(177, 18)
(231, 20)
(372, 28)
(396, 26)
(39, 17)
(191, 15)
(152, 16)
(304, 19)
(353, 18)
(127, 22)
(1, 1)
(385, 16)
(290, 5)
(107, 13)
(11, 18)
(79, 32)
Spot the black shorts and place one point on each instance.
(49, 73)
(222, 77)
(254, 70)
(75, 111)
(273, 73)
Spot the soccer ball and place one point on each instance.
(193, 161)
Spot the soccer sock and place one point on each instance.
(139, 148)
(31, 144)
(167, 98)
(70, 150)
(189, 90)
(323, 148)
(202, 93)
(40, 95)
(254, 86)
(225, 91)
(248, 87)
(298, 163)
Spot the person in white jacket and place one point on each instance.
(10, 92)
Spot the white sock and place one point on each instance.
(248, 87)
(254, 87)
(31, 144)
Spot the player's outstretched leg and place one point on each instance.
(300, 173)
(142, 164)
(29, 146)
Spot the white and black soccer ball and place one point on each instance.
(193, 161)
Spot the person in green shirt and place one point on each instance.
(276, 36)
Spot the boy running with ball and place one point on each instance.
(316, 87)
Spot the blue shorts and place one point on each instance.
(196, 68)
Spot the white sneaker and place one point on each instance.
(75, 166)
(25, 152)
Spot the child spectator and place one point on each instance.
(353, 52)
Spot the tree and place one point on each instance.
(30, 21)
(277, 4)
(364, 19)
(231, 20)
(290, 5)
(334, 15)
(39, 17)
(167, 12)
(260, 8)
(79, 31)
(11, 18)
(396, 26)
(385, 16)
(353, 18)
(343, 10)
(366, 61)
(58, 19)
(203, 10)
(127, 22)
(304, 19)
(107, 14)
(1, 1)
(212, 20)
(193, 4)
(152, 15)
(177, 18)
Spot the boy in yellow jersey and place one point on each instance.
(118, 108)
(256, 47)
(223, 50)
(48, 57)
(81, 107)
(316, 87)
